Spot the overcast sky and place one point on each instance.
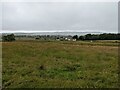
(60, 16)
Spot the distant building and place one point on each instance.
(66, 39)
(69, 39)
(74, 39)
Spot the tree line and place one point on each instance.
(103, 36)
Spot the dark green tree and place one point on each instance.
(10, 37)
(75, 37)
(82, 38)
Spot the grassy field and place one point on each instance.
(42, 64)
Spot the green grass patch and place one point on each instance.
(40, 64)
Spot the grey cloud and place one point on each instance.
(0, 16)
(60, 16)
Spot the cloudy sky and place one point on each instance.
(60, 16)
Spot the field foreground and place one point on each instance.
(38, 64)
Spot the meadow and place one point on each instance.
(60, 64)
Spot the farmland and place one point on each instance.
(60, 64)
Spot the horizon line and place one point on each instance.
(52, 31)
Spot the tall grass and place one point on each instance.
(29, 64)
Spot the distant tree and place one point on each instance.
(75, 37)
(4, 38)
(58, 38)
(36, 38)
(48, 36)
(88, 37)
(10, 37)
(82, 37)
